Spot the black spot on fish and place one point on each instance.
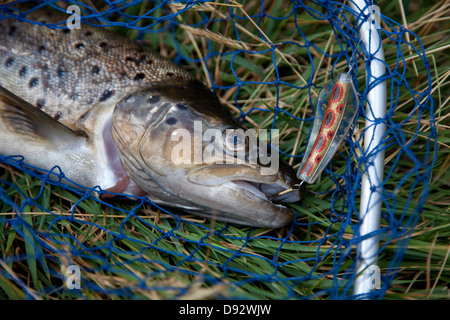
(171, 121)
(142, 58)
(33, 82)
(170, 74)
(95, 70)
(88, 33)
(12, 30)
(66, 31)
(9, 62)
(129, 59)
(23, 71)
(79, 45)
(40, 103)
(57, 115)
(103, 45)
(139, 76)
(60, 71)
(181, 106)
(106, 95)
(153, 99)
(41, 49)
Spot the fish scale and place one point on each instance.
(68, 70)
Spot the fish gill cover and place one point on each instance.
(267, 61)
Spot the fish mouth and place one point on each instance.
(245, 196)
(267, 186)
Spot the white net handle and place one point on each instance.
(371, 200)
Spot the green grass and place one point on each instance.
(108, 236)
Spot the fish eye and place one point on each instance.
(153, 99)
(234, 140)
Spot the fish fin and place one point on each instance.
(22, 118)
(45, 143)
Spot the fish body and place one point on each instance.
(109, 113)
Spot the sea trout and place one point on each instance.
(106, 111)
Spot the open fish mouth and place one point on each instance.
(249, 178)
(258, 200)
(270, 191)
(251, 206)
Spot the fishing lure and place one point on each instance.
(336, 109)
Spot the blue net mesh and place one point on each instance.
(267, 61)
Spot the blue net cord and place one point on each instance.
(136, 249)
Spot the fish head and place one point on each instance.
(179, 139)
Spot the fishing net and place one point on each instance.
(267, 61)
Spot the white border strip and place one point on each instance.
(371, 200)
